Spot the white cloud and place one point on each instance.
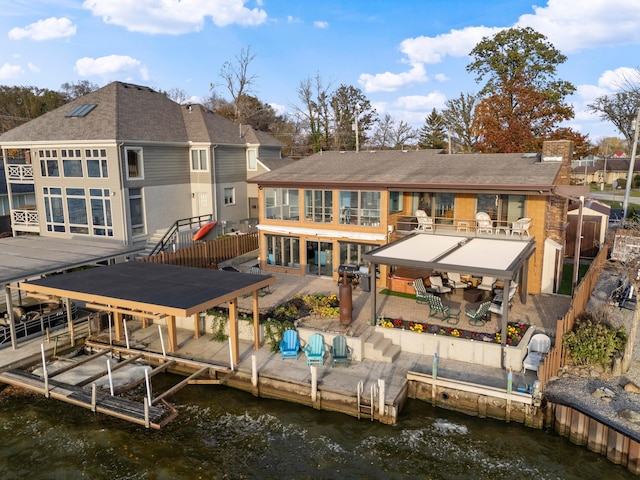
(291, 19)
(321, 24)
(47, 29)
(619, 79)
(421, 102)
(174, 17)
(441, 77)
(110, 66)
(10, 71)
(279, 109)
(390, 82)
(33, 68)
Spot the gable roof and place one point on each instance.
(395, 169)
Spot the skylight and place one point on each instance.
(80, 110)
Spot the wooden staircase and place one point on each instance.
(379, 348)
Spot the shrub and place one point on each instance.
(592, 342)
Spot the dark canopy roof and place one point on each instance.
(149, 287)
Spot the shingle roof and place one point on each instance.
(427, 168)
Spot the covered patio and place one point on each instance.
(499, 257)
(154, 292)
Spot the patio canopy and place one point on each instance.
(499, 257)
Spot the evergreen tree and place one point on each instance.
(433, 133)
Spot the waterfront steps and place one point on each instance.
(380, 349)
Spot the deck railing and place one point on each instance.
(25, 220)
(21, 173)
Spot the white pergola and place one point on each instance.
(499, 257)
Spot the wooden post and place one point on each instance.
(44, 372)
(171, 327)
(254, 371)
(196, 325)
(164, 352)
(67, 305)
(256, 322)
(147, 423)
(94, 396)
(381, 394)
(314, 383)
(233, 330)
(117, 320)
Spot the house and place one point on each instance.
(125, 161)
(332, 208)
(603, 171)
(22, 197)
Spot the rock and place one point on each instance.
(632, 387)
(598, 393)
(594, 373)
(609, 393)
(630, 415)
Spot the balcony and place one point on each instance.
(25, 220)
(468, 227)
(20, 173)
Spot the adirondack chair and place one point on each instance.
(478, 316)
(539, 345)
(340, 351)
(290, 344)
(425, 222)
(315, 350)
(484, 223)
(421, 291)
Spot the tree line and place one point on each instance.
(520, 103)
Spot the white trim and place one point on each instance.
(312, 232)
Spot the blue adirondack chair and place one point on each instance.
(290, 344)
(315, 350)
(340, 351)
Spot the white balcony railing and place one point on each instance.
(25, 220)
(22, 173)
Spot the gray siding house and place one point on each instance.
(125, 161)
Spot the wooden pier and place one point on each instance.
(152, 414)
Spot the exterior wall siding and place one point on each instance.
(231, 172)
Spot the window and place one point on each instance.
(318, 206)
(444, 205)
(199, 160)
(229, 196)
(136, 211)
(504, 209)
(80, 110)
(252, 159)
(97, 169)
(72, 168)
(134, 163)
(54, 209)
(282, 204)
(283, 251)
(351, 253)
(101, 211)
(395, 202)
(360, 208)
(49, 168)
(77, 208)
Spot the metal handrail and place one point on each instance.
(175, 228)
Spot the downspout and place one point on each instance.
(125, 236)
(214, 189)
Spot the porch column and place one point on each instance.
(256, 322)
(505, 318)
(196, 325)
(12, 321)
(173, 335)
(119, 326)
(233, 330)
(72, 333)
(525, 282)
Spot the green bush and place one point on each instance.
(594, 343)
(274, 332)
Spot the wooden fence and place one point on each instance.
(557, 356)
(208, 254)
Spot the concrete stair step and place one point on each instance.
(379, 348)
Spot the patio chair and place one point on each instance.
(521, 227)
(421, 291)
(539, 345)
(497, 304)
(487, 283)
(455, 281)
(448, 313)
(425, 222)
(315, 349)
(437, 286)
(340, 351)
(484, 223)
(477, 317)
(290, 344)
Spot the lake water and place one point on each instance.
(224, 433)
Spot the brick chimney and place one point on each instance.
(560, 151)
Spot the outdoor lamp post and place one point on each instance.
(627, 190)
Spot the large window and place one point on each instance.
(72, 168)
(54, 209)
(283, 251)
(351, 253)
(199, 160)
(77, 206)
(134, 163)
(395, 202)
(136, 211)
(281, 204)
(360, 208)
(503, 209)
(101, 212)
(318, 206)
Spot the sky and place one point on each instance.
(407, 57)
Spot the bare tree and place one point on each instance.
(403, 134)
(388, 134)
(71, 90)
(458, 115)
(178, 95)
(314, 112)
(620, 109)
(237, 79)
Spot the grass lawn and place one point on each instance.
(567, 277)
(386, 291)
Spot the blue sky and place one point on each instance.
(407, 57)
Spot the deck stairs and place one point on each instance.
(379, 348)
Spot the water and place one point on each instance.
(223, 433)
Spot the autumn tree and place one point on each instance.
(459, 116)
(433, 133)
(348, 106)
(522, 101)
(18, 105)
